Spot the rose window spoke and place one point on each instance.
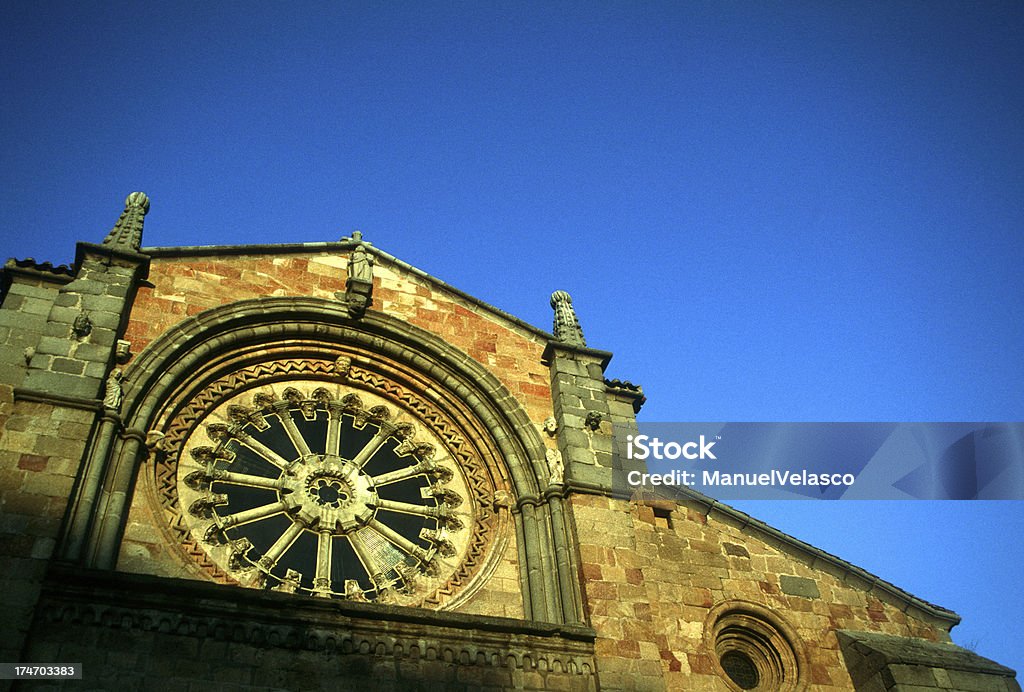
(251, 515)
(261, 449)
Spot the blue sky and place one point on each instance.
(768, 211)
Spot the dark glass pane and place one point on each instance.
(263, 534)
(740, 669)
(241, 497)
(301, 557)
(313, 431)
(353, 439)
(407, 491)
(248, 461)
(274, 437)
(408, 525)
(345, 565)
(386, 460)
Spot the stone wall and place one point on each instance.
(185, 285)
(58, 331)
(656, 575)
(145, 633)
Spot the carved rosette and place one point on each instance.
(316, 487)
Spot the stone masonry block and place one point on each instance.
(13, 302)
(103, 337)
(27, 332)
(11, 374)
(9, 315)
(58, 330)
(976, 682)
(85, 285)
(54, 346)
(96, 370)
(92, 352)
(574, 438)
(799, 586)
(46, 293)
(12, 354)
(579, 455)
(105, 320)
(67, 300)
(73, 367)
(62, 314)
(62, 384)
(35, 306)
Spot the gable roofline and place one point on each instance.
(815, 557)
(339, 246)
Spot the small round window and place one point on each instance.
(752, 648)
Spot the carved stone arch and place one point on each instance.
(244, 334)
(252, 322)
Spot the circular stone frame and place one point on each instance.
(751, 632)
(488, 530)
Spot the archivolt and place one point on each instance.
(217, 341)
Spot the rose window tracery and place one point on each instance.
(315, 488)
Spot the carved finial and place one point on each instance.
(127, 232)
(567, 326)
(290, 583)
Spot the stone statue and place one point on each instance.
(112, 394)
(360, 265)
(556, 468)
(358, 295)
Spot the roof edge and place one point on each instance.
(871, 581)
(679, 495)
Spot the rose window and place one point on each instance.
(324, 491)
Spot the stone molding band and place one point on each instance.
(129, 602)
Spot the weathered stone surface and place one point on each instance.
(798, 586)
(208, 633)
(907, 664)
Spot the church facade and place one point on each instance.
(314, 466)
